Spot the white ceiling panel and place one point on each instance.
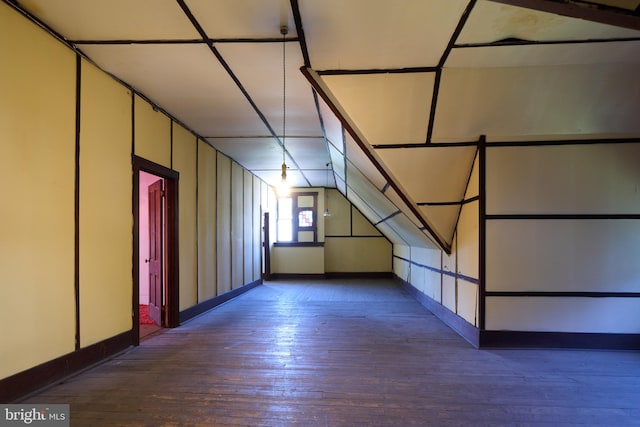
(359, 160)
(337, 162)
(386, 108)
(526, 102)
(391, 234)
(252, 153)
(201, 95)
(113, 19)
(408, 232)
(372, 196)
(237, 19)
(332, 126)
(265, 84)
(309, 153)
(545, 55)
(366, 34)
(430, 174)
(490, 22)
(395, 198)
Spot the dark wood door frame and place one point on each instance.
(172, 285)
(266, 275)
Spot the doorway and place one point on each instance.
(155, 292)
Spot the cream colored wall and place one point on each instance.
(357, 254)
(587, 251)
(237, 220)
(37, 244)
(351, 243)
(106, 246)
(223, 235)
(450, 280)
(297, 260)
(247, 231)
(207, 220)
(37, 155)
(185, 161)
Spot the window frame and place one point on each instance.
(295, 220)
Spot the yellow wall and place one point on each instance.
(237, 220)
(184, 160)
(38, 120)
(207, 208)
(106, 221)
(223, 238)
(37, 156)
(351, 243)
(152, 133)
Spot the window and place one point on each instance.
(297, 218)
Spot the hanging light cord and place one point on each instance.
(284, 30)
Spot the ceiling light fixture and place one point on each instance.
(283, 188)
(326, 194)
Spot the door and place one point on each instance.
(155, 251)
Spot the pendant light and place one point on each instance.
(326, 194)
(283, 188)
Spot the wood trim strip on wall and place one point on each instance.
(76, 267)
(583, 340)
(562, 294)
(441, 271)
(482, 230)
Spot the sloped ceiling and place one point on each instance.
(391, 96)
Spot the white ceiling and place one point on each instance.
(371, 70)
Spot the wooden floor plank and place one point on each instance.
(344, 353)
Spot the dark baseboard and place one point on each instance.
(360, 275)
(463, 328)
(297, 276)
(333, 275)
(23, 383)
(523, 339)
(207, 305)
(576, 340)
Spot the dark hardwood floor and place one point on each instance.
(344, 353)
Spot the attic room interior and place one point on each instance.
(480, 155)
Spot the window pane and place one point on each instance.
(285, 230)
(305, 218)
(285, 208)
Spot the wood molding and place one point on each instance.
(207, 305)
(577, 340)
(23, 383)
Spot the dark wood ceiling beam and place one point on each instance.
(443, 60)
(297, 18)
(519, 42)
(582, 10)
(378, 71)
(185, 41)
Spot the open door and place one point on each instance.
(156, 243)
